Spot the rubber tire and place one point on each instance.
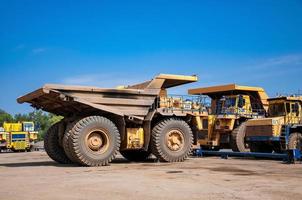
(260, 148)
(52, 146)
(292, 141)
(83, 127)
(136, 155)
(67, 143)
(238, 138)
(158, 144)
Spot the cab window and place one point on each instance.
(295, 108)
(276, 109)
(230, 102)
(241, 102)
(28, 127)
(287, 107)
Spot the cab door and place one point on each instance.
(293, 115)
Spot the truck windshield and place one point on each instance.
(226, 105)
(28, 127)
(230, 102)
(276, 109)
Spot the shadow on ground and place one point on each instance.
(55, 164)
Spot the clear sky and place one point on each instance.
(109, 43)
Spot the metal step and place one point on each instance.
(283, 137)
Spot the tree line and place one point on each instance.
(42, 120)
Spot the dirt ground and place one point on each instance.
(34, 176)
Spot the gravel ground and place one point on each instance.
(34, 176)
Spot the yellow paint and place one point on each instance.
(197, 121)
(177, 77)
(19, 143)
(8, 127)
(135, 138)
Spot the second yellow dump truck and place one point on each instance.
(281, 130)
(18, 136)
(231, 106)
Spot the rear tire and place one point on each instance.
(52, 147)
(67, 142)
(135, 155)
(295, 141)
(238, 139)
(95, 141)
(172, 140)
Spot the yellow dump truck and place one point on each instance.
(281, 130)
(231, 106)
(18, 136)
(136, 121)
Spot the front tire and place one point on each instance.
(95, 141)
(295, 141)
(238, 139)
(172, 140)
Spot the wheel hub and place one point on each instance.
(175, 140)
(97, 141)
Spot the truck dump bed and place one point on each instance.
(133, 100)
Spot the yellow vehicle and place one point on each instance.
(18, 136)
(135, 120)
(3, 138)
(282, 129)
(231, 106)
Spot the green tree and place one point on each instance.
(42, 120)
(21, 117)
(5, 117)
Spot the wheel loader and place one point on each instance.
(134, 120)
(281, 130)
(231, 106)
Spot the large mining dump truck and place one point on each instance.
(135, 120)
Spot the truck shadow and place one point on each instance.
(34, 164)
(53, 163)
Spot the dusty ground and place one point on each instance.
(35, 176)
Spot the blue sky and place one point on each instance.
(109, 43)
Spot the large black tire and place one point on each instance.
(260, 147)
(295, 141)
(67, 143)
(165, 148)
(52, 147)
(238, 139)
(135, 155)
(95, 141)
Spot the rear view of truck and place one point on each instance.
(135, 120)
